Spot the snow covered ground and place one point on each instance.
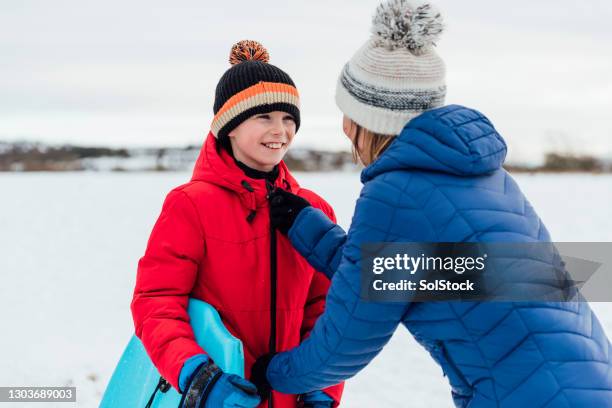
(69, 244)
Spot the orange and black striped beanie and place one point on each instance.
(251, 86)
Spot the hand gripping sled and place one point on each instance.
(135, 379)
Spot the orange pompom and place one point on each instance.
(248, 50)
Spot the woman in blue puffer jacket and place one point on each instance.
(434, 174)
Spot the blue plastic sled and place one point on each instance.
(135, 377)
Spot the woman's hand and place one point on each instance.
(284, 209)
(258, 375)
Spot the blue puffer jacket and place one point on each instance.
(441, 180)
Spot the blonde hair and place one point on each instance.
(373, 145)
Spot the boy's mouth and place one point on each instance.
(274, 145)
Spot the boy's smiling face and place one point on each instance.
(262, 140)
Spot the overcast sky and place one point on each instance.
(139, 73)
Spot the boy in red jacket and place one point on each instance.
(214, 241)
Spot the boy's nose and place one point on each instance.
(278, 127)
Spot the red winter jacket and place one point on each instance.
(212, 241)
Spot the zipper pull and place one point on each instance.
(270, 187)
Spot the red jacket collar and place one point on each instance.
(219, 168)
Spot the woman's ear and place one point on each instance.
(349, 128)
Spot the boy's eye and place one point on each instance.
(289, 117)
(263, 117)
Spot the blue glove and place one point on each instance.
(206, 386)
(317, 399)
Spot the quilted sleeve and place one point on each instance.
(351, 332)
(318, 239)
(166, 275)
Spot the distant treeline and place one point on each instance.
(39, 157)
(557, 162)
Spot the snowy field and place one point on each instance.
(69, 244)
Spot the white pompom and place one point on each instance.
(403, 24)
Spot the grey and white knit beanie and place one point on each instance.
(396, 74)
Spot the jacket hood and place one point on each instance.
(219, 168)
(452, 139)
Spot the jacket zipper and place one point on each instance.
(273, 278)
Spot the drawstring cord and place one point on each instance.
(253, 211)
(162, 386)
(247, 186)
(250, 189)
